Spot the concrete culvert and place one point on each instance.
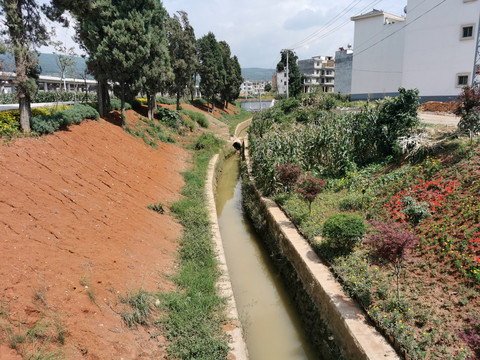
(237, 145)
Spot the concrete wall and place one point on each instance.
(425, 52)
(434, 51)
(343, 71)
(377, 65)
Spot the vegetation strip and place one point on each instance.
(195, 311)
(359, 340)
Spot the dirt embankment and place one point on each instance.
(75, 234)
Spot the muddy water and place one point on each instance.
(272, 327)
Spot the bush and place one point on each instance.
(343, 231)
(9, 123)
(468, 109)
(46, 124)
(166, 101)
(288, 174)
(116, 104)
(168, 117)
(207, 141)
(308, 186)
(354, 201)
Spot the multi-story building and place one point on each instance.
(343, 70)
(431, 48)
(281, 82)
(253, 87)
(319, 73)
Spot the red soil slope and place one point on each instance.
(75, 234)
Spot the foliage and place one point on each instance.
(288, 175)
(151, 131)
(157, 207)
(169, 117)
(182, 50)
(116, 104)
(48, 97)
(208, 141)
(25, 31)
(268, 88)
(193, 320)
(199, 117)
(397, 117)
(233, 80)
(295, 78)
(9, 123)
(211, 69)
(308, 186)
(471, 336)
(140, 304)
(343, 231)
(46, 124)
(469, 109)
(392, 242)
(415, 211)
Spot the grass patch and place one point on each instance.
(157, 207)
(195, 310)
(151, 131)
(233, 120)
(140, 308)
(199, 117)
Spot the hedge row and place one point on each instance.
(46, 124)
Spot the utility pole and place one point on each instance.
(288, 74)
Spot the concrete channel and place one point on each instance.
(334, 321)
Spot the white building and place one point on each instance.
(319, 73)
(253, 87)
(281, 83)
(432, 49)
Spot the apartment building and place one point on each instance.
(319, 73)
(431, 47)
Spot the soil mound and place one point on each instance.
(76, 235)
(436, 106)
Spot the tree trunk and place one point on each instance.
(124, 123)
(101, 101)
(178, 101)
(213, 105)
(150, 105)
(24, 114)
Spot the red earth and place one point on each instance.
(76, 235)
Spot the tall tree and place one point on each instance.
(126, 43)
(235, 80)
(211, 69)
(183, 53)
(156, 72)
(92, 16)
(25, 31)
(295, 78)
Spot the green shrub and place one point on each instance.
(343, 231)
(207, 141)
(157, 207)
(166, 101)
(9, 123)
(189, 124)
(116, 104)
(169, 118)
(46, 124)
(354, 201)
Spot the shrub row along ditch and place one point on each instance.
(339, 176)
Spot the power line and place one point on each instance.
(318, 34)
(403, 27)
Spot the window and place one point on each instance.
(462, 80)
(467, 32)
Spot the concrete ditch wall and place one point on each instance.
(343, 317)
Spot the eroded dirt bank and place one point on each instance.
(75, 234)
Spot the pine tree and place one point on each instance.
(156, 72)
(25, 31)
(183, 54)
(211, 69)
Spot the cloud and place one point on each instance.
(304, 19)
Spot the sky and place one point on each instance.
(257, 30)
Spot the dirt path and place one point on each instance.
(75, 234)
(447, 119)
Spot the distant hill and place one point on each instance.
(48, 63)
(257, 73)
